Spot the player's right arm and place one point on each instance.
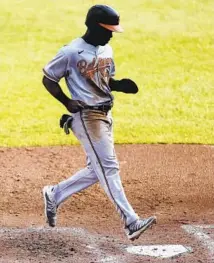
(55, 90)
(53, 72)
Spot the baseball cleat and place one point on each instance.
(50, 205)
(135, 229)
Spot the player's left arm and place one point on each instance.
(123, 85)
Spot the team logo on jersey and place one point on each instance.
(98, 71)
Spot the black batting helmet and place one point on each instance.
(104, 16)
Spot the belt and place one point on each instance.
(104, 108)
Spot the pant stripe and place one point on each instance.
(103, 171)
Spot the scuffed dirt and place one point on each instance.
(173, 182)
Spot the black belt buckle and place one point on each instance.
(105, 108)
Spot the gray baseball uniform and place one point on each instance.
(87, 70)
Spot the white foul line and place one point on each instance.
(197, 231)
(204, 227)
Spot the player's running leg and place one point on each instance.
(54, 195)
(94, 130)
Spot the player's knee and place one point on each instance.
(111, 167)
(110, 162)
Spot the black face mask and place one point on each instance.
(98, 36)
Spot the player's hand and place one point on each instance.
(128, 86)
(75, 105)
(123, 85)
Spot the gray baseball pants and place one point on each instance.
(95, 132)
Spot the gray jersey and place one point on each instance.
(86, 69)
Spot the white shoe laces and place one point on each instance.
(136, 225)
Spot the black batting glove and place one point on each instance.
(65, 123)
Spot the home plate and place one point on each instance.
(159, 251)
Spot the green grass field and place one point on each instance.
(167, 48)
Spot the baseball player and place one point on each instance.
(88, 68)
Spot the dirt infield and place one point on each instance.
(173, 182)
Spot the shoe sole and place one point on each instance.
(137, 234)
(44, 190)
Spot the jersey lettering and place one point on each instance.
(102, 65)
(97, 68)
